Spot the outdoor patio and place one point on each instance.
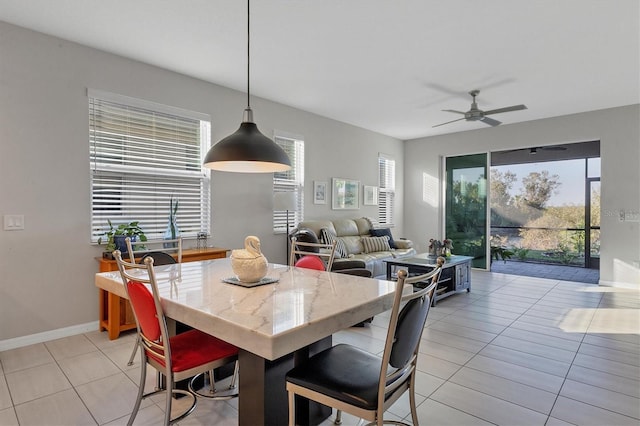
(543, 270)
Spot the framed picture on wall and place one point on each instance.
(370, 195)
(319, 192)
(345, 194)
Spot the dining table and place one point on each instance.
(276, 324)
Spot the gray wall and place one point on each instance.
(47, 270)
(617, 129)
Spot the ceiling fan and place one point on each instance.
(534, 150)
(476, 114)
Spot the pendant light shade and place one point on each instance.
(247, 150)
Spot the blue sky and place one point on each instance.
(571, 175)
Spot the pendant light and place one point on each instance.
(247, 150)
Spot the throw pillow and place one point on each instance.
(372, 244)
(327, 236)
(381, 233)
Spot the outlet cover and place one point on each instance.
(13, 222)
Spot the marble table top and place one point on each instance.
(270, 320)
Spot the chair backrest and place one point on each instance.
(159, 258)
(310, 262)
(406, 325)
(159, 249)
(306, 236)
(321, 251)
(139, 281)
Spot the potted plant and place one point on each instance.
(498, 250)
(115, 236)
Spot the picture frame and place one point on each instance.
(345, 194)
(370, 196)
(319, 192)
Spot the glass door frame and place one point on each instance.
(589, 261)
(487, 224)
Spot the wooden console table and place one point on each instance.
(115, 312)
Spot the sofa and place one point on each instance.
(360, 239)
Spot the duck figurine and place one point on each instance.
(249, 264)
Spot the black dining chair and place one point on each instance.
(359, 271)
(363, 384)
(312, 255)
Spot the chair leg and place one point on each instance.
(169, 395)
(212, 381)
(213, 393)
(292, 408)
(412, 399)
(143, 377)
(133, 353)
(234, 379)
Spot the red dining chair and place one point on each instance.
(159, 258)
(310, 262)
(177, 357)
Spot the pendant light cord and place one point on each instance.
(248, 55)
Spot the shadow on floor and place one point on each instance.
(541, 270)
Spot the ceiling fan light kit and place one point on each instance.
(247, 150)
(476, 114)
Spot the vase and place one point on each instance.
(249, 264)
(121, 243)
(171, 233)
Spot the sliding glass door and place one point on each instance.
(466, 206)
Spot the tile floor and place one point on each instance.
(514, 351)
(545, 270)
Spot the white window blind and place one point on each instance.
(291, 180)
(142, 154)
(387, 189)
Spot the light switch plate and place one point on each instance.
(631, 216)
(13, 222)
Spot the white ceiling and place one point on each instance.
(390, 66)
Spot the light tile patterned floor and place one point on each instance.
(546, 270)
(514, 351)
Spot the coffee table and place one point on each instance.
(455, 276)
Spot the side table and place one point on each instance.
(115, 312)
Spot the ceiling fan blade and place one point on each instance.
(506, 109)
(452, 121)
(453, 110)
(490, 121)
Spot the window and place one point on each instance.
(143, 154)
(291, 180)
(387, 189)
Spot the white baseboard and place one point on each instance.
(45, 336)
(618, 284)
